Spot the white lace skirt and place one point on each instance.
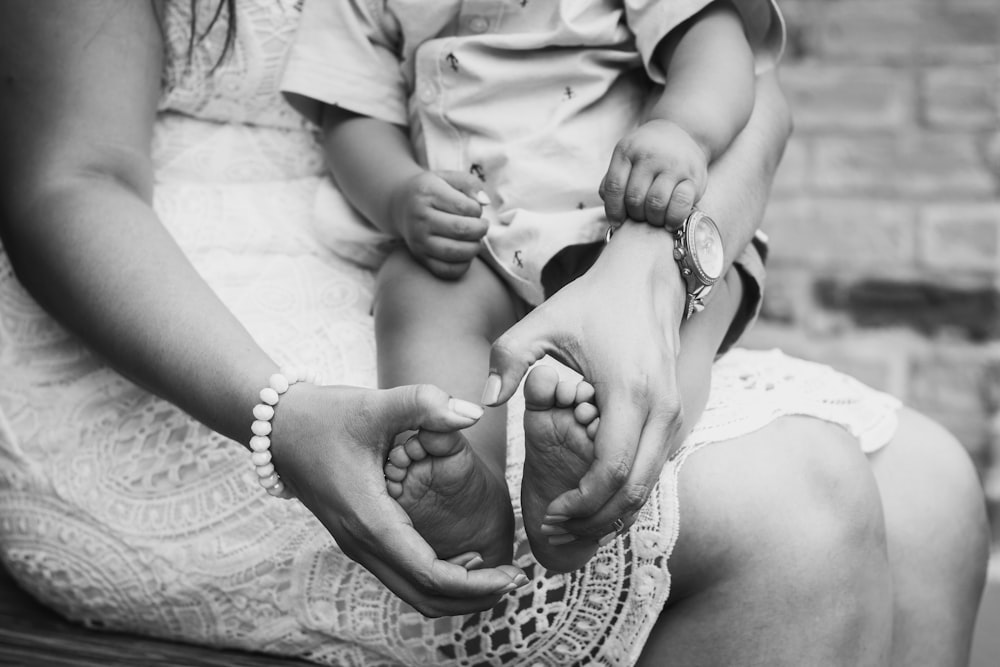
(119, 511)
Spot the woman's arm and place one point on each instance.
(79, 83)
(619, 326)
(77, 222)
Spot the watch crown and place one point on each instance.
(686, 271)
(678, 254)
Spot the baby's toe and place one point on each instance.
(393, 473)
(540, 388)
(585, 413)
(398, 457)
(414, 449)
(565, 394)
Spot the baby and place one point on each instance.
(497, 145)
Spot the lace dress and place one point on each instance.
(121, 512)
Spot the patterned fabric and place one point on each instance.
(121, 512)
(530, 97)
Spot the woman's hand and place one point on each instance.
(618, 326)
(330, 445)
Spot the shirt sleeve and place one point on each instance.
(651, 21)
(750, 266)
(346, 54)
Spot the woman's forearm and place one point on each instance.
(739, 182)
(96, 258)
(75, 213)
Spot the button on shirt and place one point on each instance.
(530, 96)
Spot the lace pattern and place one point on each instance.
(121, 512)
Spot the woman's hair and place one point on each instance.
(195, 38)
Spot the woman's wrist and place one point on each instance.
(646, 252)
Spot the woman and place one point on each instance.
(120, 510)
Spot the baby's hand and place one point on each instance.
(438, 214)
(657, 173)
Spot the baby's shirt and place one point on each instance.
(530, 96)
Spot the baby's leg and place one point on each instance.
(439, 332)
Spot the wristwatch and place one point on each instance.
(699, 255)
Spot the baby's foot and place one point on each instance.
(455, 501)
(560, 421)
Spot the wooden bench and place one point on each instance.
(33, 636)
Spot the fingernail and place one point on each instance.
(559, 540)
(483, 198)
(520, 580)
(555, 518)
(465, 408)
(607, 539)
(491, 393)
(547, 529)
(474, 563)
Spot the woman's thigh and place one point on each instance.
(938, 542)
(781, 557)
(795, 549)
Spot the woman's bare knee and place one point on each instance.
(785, 522)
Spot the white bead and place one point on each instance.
(261, 459)
(263, 411)
(269, 481)
(269, 396)
(265, 470)
(260, 443)
(278, 382)
(291, 374)
(278, 491)
(261, 427)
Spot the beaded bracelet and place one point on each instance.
(263, 413)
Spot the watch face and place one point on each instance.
(706, 247)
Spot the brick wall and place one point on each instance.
(885, 217)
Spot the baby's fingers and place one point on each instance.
(613, 186)
(458, 227)
(681, 203)
(450, 250)
(657, 199)
(466, 197)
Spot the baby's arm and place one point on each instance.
(437, 214)
(659, 171)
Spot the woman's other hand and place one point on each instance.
(618, 326)
(330, 445)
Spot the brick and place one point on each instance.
(961, 97)
(929, 307)
(877, 235)
(849, 97)
(968, 33)
(913, 165)
(788, 295)
(794, 168)
(960, 237)
(873, 32)
(950, 380)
